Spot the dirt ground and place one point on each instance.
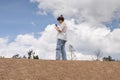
(21, 69)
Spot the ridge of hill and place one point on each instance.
(24, 69)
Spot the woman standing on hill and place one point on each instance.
(61, 39)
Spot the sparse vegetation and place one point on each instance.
(98, 54)
(16, 56)
(31, 54)
(72, 54)
(24, 57)
(109, 58)
(35, 57)
(2, 57)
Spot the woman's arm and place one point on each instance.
(57, 28)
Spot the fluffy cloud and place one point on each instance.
(44, 46)
(83, 10)
(84, 38)
(89, 34)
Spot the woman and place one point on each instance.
(61, 39)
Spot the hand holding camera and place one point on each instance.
(56, 25)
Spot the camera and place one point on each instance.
(56, 25)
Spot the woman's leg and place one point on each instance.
(64, 57)
(58, 49)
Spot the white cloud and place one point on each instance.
(83, 37)
(86, 38)
(89, 34)
(84, 10)
(3, 41)
(41, 13)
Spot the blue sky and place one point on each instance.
(19, 17)
(115, 23)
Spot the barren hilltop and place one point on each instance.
(24, 69)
